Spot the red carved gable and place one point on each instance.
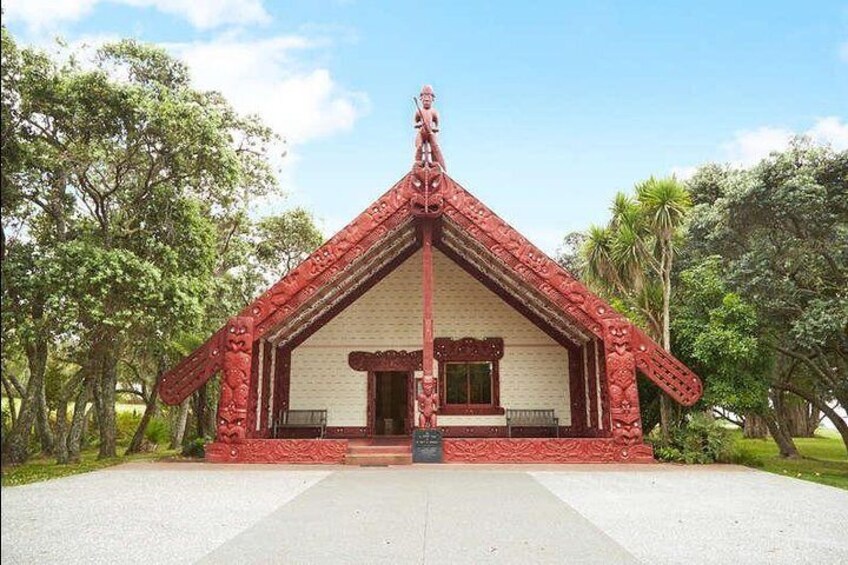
(366, 234)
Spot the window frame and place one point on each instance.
(468, 351)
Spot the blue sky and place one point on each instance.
(548, 108)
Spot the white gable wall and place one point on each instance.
(533, 371)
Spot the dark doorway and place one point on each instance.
(391, 403)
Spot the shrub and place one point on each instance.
(700, 440)
(158, 432)
(743, 456)
(195, 448)
(126, 424)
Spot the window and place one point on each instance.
(468, 383)
(468, 375)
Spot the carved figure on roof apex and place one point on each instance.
(426, 121)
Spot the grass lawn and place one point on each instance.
(44, 468)
(824, 458)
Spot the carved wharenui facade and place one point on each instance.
(428, 310)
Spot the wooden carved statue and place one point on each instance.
(623, 392)
(426, 121)
(235, 379)
(428, 403)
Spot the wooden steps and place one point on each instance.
(379, 454)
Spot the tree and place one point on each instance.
(569, 254)
(780, 229)
(123, 174)
(632, 258)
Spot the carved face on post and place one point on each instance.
(427, 385)
(427, 96)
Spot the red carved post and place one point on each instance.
(428, 403)
(621, 380)
(235, 380)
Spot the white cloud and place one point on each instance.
(749, 147)
(263, 77)
(832, 131)
(39, 15)
(684, 173)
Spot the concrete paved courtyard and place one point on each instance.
(183, 513)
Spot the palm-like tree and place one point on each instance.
(632, 257)
(664, 204)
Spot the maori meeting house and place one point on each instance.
(429, 312)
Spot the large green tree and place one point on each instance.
(781, 231)
(121, 175)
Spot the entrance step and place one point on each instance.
(379, 455)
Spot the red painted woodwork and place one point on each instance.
(501, 431)
(428, 403)
(577, 388)
(292, 451)
(590, 352)
(621, 374)
(233, 404)
(253, 388)
(605, 423)
(282, 380)
(267, 361)
(544, 450)
(469, 349)
(389, 360)
(625, 347)
(511, 249)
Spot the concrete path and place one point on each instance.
(184, 513)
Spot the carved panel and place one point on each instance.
(235, 381)
(543, 450)
(389, 360)
(303, 451)
(621, 376)
(192, 371)
(468, 349)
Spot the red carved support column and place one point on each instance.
(235, 380)
(428, 402)
(621, 382)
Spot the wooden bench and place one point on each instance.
(531, 418)
(301, 419)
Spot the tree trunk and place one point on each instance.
(149, 411)
(797, 412)
(781, 438)
(79, 419)
(105, 402)
(61, 444)
(665, 401)
(200, 410)
(16, 444)
(832, 415)
(179, 426)
(755, 427)
(42, 421)
(13, 412)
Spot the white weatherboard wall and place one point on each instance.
(533, 371)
